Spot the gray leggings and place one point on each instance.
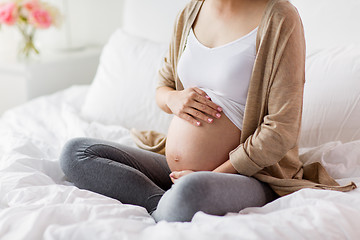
(140, 177)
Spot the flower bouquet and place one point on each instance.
(28, 16)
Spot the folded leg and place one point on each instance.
(212, 193)
(131, 175)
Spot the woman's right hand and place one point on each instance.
(191, 104)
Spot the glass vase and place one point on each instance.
(27, 50)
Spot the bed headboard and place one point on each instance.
(329, 23)
(153, 19)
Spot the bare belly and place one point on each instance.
(201, 148)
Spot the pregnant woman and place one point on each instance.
(234, 79)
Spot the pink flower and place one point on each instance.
(31, 5)
(8, 13)
(41, 18)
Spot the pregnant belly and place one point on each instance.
(201, 148)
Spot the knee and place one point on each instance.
(192, 186)
(184, 199)
(70, 154)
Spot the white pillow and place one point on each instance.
(331, 109)
(123, 91)
(341, 160)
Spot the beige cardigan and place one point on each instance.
(268, 148)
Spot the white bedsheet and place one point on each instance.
(37, 203)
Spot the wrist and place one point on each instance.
(226, 167)
(168, 97)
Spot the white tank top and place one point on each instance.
(223, 72)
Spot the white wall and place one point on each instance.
(329, 23)
(155, 23)
(87, 23)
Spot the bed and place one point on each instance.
(37, 201)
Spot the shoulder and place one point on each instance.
(285, 12)
(189, 7)
(186, 13)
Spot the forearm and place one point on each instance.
(226, 167)
(162, 94)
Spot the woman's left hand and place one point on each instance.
(175, 175)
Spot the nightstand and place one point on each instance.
(20, 81)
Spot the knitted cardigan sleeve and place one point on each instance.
(166, 74)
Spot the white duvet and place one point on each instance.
(36, 201)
